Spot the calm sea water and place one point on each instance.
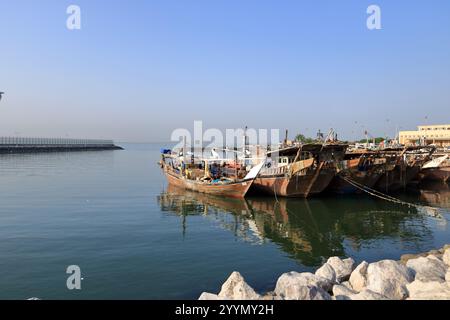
(112, 214)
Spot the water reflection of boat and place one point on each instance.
(311, 230)
(185, 203)
(307, 230)
(435, 193)
(175, 196)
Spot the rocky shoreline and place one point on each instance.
(424, 276)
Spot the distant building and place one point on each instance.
(434, 134)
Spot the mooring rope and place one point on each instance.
(361, 186)
(386, 197)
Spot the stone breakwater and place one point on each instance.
(424, 276)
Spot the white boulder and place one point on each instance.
(431, 290)
(446, 257)
(358, 277)
(340, 290)
(270, 296)
(305, 293)
(235, 288)
(428, 268)
(291, 281)
(389, 279)
(367, 294)
(208, 296)
(347, 284)
(326, 272)
(290, 285)
(342, 268)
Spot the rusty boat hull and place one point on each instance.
(398, 178)
(295, 186)
(359, 171)
(436, 174)
(305, 176)
(367, 179)
(407, 168)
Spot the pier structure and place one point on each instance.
(31, 145)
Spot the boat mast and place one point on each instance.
(183, 159)
(244, 147)
(235, 165)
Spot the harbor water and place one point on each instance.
(133, 237)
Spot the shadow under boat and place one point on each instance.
(306, 229)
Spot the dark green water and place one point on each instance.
(111, 213)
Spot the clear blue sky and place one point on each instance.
(139, 69)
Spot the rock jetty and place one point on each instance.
(424, 276)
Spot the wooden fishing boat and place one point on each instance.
(390, 175)
(408, 164)
(299, 171)
(361, 168)
(437, 169)
(208, 176)
(438, 174)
